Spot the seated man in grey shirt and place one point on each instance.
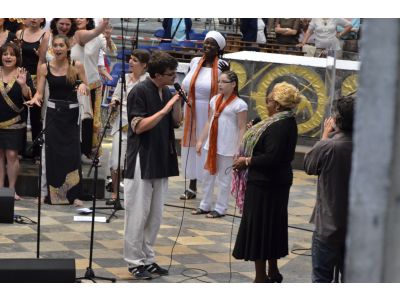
(330, 159)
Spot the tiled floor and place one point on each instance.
(203, 247)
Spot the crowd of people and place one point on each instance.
(315, 37)
(54, 73)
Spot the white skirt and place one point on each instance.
(195, 164)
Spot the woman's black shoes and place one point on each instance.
(278, 278)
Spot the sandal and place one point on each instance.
(214, 214)
(188, 195)
(199, 211)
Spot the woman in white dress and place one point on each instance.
(201, 85)
(222, 134)
(89, 40)
(138, 66)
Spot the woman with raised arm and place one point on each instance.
(15, 86)
(89, 41)
(62, 137)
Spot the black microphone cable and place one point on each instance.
(23, 220)
(204, 273)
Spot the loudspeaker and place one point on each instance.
(43, 270)
(7, 205)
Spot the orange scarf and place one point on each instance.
(190, 113)
(211, 162)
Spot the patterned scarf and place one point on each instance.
(250, 139)
(211, 162)
(190, 113)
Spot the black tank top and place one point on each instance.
(29, 57)
(60, 88)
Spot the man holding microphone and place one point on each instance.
(151, 158)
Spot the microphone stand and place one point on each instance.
(136, 37)
(39, 141)
(117, 203)
(89, 274)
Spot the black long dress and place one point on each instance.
(30, 61)
(263, 231)
(12, 124)
(62, 141)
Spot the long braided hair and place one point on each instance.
(72, 74)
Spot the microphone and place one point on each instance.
(181, 93)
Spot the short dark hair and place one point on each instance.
(53, 27)
(15, 49)
(142, 55)
(160, 62)
(344, 113)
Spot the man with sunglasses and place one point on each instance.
(151, 158)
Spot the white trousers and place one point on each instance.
(224, 178)
(144, 203)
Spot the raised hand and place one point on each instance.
(21, 76)
(107, 31)
(224, 66)
(329, 126)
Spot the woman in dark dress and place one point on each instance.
(30, 39)
(62, 138)
(5, 34)
(15, 86)
(262, 182)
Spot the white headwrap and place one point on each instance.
(219, 38)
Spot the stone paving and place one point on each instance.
(203, 249)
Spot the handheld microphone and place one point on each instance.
(181, 93)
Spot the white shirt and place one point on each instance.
(260, 31)
(89, 56)
(117, 96)
(325, 32)
(228, 128)
(203, 82)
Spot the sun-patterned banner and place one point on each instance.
(256, 79)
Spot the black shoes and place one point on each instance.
(147, 272)
(277, 278)
(140, 273)
(188, 194)
(156, 269)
